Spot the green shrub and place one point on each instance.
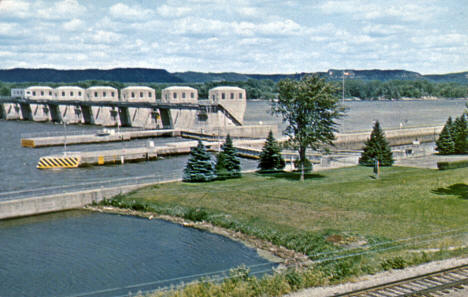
(394, 263)
(196, 215)
(295, 279)
(452, 165)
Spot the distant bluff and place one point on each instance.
(147, 75)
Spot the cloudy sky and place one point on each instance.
(276, 36)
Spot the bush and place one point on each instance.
(196, 215)
(394, 263)
(307, 165)
(452, 165)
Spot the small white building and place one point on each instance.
(101, 93)
(39, 92)
(233, 99)
(138, 94)
(218, 94)
(69, 113)
(17, 93)
(179, 94)
(69, 93)
(103, 115)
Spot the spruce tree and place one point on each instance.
(270, 157)
(199, 167)
(227, 161)
(445, 144)
(459, 135)
(376, 148)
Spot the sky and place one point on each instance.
(276, 36)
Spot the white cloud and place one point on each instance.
(14, 8)
(51, 38)
(441, 40)
(173, 11)
(102, 36)
(384, 30)
(370, 10)
(65, 9)
(248, 11)
(136, 13)
(8, 29)
(73, 25)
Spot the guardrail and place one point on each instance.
(90, 185)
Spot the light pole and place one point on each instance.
(65, 138)
(344, 74)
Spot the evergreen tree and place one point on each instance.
(459, 134)
(378, 148)
(227, 161)
(270, 157)
(445, 144)
(199, 167)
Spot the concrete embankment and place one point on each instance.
(58, 202)
(396, 137)
(36, 142)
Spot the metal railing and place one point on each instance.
(90, 185)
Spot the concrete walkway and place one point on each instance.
(429, 161)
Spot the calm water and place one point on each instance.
(87, 254)
(361, 114)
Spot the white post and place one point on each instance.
(343, 85)
(65, 138)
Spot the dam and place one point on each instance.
(137, 106)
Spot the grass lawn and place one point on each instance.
(402, 203)
(346, 205)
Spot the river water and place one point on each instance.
(80, 253)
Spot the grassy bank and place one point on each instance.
(337, 211)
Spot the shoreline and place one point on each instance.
(267, 250)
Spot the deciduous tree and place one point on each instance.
(309, 107)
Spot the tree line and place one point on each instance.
(268, 89)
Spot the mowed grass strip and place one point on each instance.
(402, 203)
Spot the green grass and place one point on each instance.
(403, 202)
(328, 212)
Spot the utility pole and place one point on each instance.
(344, 74)
(65, 138)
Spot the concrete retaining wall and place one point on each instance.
(355, 141)
(59, 202)
(252, 131)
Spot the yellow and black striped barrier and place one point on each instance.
(58, 162)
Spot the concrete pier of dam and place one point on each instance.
(117, 156)
(198, 114)
(107, 135)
